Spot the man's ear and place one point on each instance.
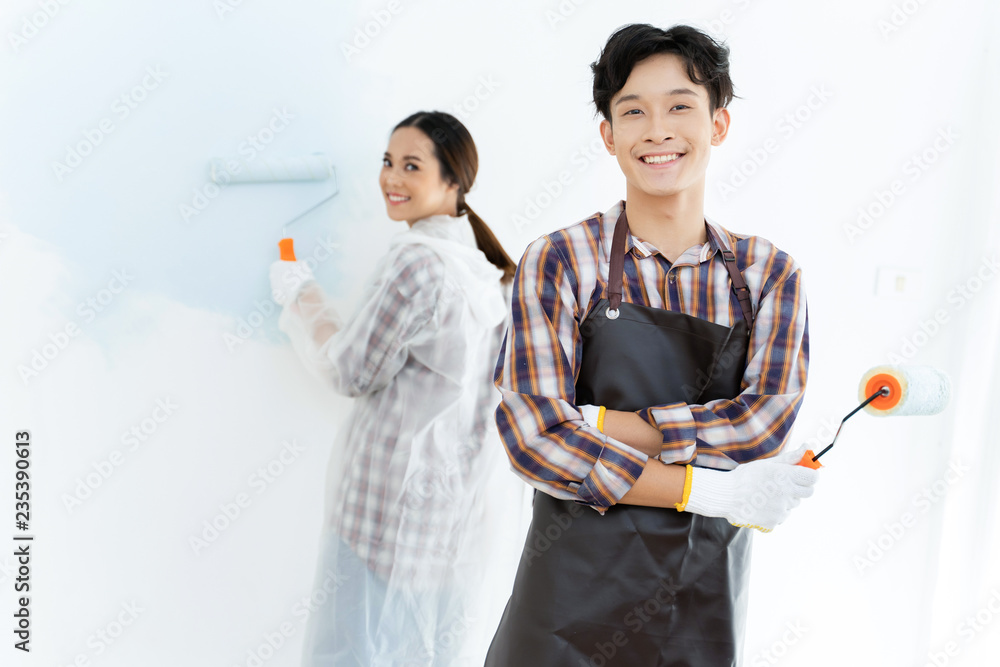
(720, 123)
(607, 137)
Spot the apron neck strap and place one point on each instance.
(739, 285)
(617, 268)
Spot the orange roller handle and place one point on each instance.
(807, 461)
(285, 246)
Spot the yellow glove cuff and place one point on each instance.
(688, 472)
(750, 525)
(600, 419)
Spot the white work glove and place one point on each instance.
(759, 494)
(287, 278)
(590, 413)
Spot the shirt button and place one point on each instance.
(672, 278)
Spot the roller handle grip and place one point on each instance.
(807, 461)
(285, 246)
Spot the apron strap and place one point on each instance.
(739, 285)
(617, 269)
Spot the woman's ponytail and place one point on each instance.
(490, 245)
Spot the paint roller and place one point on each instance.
(314, 167)
(894, 391)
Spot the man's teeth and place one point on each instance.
(398, 198)
(660, 159)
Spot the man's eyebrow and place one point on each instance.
(675, 91)
(627, 98)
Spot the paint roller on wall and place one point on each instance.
(314, 167)
(895, 391)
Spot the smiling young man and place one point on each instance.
(652, 370)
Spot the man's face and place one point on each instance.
(662, 130)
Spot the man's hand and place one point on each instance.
(759, 494)
(626, 427)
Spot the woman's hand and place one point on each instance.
(287, 278)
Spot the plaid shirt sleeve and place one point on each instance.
(755, 423)
(372, 347)
(547, 441)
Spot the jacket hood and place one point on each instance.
(453, 240)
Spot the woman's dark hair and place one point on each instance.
(707, 61)
(455, 150)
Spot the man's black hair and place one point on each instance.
(707, 61)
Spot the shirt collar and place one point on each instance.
(642, 249)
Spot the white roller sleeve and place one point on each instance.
(924, 390)
(316, 167)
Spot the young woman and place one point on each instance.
(406, 537)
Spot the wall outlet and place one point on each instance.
(899, 283)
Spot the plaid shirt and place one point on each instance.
(418, 360)
(562, 276)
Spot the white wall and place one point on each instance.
(883, 79)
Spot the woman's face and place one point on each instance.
(411, 178)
